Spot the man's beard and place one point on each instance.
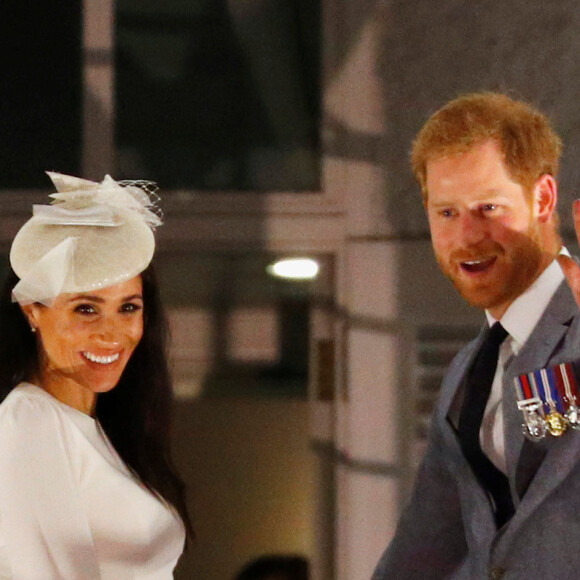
(516, 268)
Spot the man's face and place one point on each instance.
(484, 230)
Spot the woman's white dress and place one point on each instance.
(69, 507)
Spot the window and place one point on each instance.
(41, 87)
(218, 95)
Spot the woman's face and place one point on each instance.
(86, 340)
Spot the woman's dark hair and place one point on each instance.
(135, 415)
(18, 350)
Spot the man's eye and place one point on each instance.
(488, 207)
(447, 213)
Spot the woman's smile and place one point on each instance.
(86, 341)
(102, 360)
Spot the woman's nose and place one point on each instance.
(107, 333)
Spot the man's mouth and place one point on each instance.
(102, 360)
(477, 265)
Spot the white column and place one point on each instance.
(372, 425)
(374, 348)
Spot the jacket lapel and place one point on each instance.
(536, 468)
(452, 393)
(537, 353)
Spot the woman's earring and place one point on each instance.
(32, 328)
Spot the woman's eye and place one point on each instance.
(130, 307)
(488, 207)
(85, 309)
(447, 213)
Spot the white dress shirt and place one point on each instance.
(519, 320)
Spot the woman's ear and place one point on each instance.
(30, 312)
(545, 196)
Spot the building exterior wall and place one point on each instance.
(388, 66)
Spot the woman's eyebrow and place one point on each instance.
(86, 297)
(133, 297)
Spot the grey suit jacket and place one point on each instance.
(448, 530)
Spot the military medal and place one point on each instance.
(534, 426)
(567, 383)
(555, 421)
(549, 400)
(572, 415)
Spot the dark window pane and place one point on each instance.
(40, 90)
(218, 95)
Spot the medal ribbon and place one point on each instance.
(567, 382)
(551, 396)
(526, 389)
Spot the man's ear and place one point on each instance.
(545, 197)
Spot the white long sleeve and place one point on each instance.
(69, 508)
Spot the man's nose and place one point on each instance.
(473, 227)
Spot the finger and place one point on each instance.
(572, 272)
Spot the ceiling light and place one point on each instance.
(294, 268)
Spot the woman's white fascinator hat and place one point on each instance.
(91, 236)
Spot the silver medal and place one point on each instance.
(573, 416)
(534, 426)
